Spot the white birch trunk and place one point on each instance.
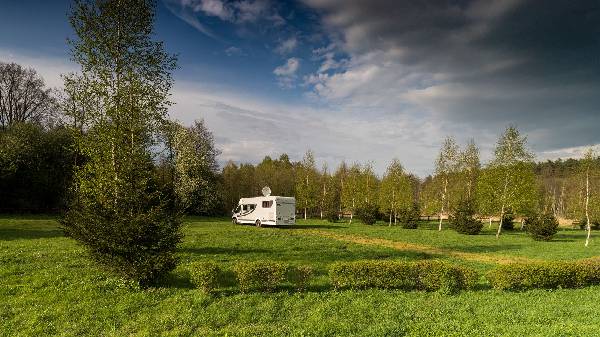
(587, 201)
(443, 203)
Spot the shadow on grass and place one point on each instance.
(8, 234)
(485, 249)
(311, 227)
(222, 250)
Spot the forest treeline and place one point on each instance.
(38, 158)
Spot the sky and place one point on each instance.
(360, 80)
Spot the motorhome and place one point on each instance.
(266, 210)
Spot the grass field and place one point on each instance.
(49, 287)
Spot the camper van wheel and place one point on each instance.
(258, 224)
(234, 220)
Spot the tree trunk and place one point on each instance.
(390, 224)
(443, 203)
(587, 201)
(500, 225)
(490, 225)
(304, 213)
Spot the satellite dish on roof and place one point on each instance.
(266, 191)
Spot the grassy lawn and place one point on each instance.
(49, 287)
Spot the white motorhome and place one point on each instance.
(265, 211)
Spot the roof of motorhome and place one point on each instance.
(269, 198)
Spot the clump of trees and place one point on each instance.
(118, 212)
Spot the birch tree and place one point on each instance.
(509, 180)
(445, 167)
(351, 189)
(395, 192)
(127, 224)
(588, 168)
(469, 169)
(307, 184)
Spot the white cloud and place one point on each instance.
(287, 46)
(215, 8)
(289, 68)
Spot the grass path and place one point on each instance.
(420, 248)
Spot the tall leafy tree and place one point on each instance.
(509, 181)
(307, 183)
(470, 166)
(589, 173)
(196, 169)
(446, 167)
(395, 192)
(126, 223)
(351, 192)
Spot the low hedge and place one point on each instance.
(545, 275)
(205, 275)
(424, 275)
(260, 275)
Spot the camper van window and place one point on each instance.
(251, 207)
(237, 209)
(267, 204)
(245, 207)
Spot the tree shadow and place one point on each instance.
(221, 250)
(484, 249)
(8, 234)
(311, 226)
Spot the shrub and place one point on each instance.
(259, 275)
(373, 274)
(409, 218)
(205, 275)
(462, 220)
(425, 275)
(441, 276)
(595, 224)
(331, 215)
(545, 275)
(508, 221)
(368, 214)
(542, 227)
(301, 276)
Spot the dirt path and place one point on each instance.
(413, 247)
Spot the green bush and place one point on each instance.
(542, 227)
(259, 275)
(205, 275)
(331, 215)
(545, 275)
(508, 221)
(595, 224)
(425, 275)
(463, 220)
(409, 218)
(301, 276)
(368, 214)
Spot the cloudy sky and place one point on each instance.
(361, 80)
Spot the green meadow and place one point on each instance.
(48, 286)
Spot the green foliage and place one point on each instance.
(36, 167)
(307, 184)
(205, 275)
(120, 100)
(196, 169)
(423, 275)
(508, 221)
(301, 276)
(545, 275)
(542, 227)
(463, 221)
(409, 217)
(368, 214)
(259, 275)
(395, 190)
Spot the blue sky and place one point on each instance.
(358, 80)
